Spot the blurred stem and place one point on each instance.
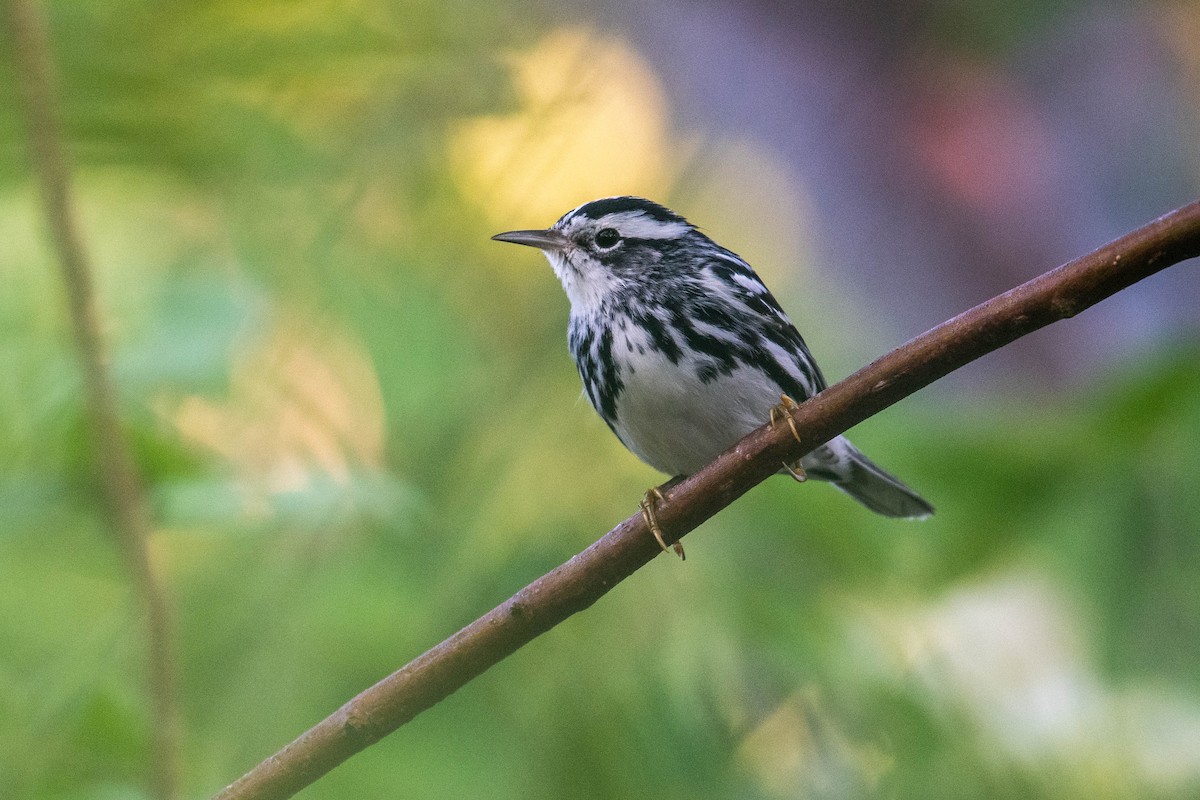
(118, 474)
(1055, 295)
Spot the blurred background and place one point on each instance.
(360, 428)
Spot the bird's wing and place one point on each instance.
(731, 278)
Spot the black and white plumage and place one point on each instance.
(682, 348)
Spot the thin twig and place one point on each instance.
(115, 464)
(572, 587)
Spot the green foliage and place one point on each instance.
(359, 431)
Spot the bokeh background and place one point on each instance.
(360, 428)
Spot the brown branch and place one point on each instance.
(572, 587)
(118, 475)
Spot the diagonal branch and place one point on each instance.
(572, 587)
(115, 464)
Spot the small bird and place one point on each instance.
(683, 350)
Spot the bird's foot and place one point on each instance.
(649, 502)
(783, 411)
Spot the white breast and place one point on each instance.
(675, 422)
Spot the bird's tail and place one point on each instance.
(844, 465)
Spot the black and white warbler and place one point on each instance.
(683, 350)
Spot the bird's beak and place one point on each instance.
(542, 240)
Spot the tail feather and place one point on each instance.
(848, 469)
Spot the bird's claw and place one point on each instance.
(649, 501)
(783, 411)
(796, 471)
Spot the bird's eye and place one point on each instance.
(607, 237)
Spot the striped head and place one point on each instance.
(613, 246)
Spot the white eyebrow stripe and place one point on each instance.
(637, 225)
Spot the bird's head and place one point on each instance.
(606, 246)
